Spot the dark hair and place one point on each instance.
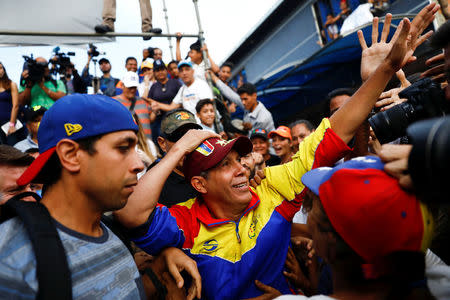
(51, 172)
(173, 62)
(196, 46)
(152, 52)
(5, 81)
(340, 92)
(441, 38)
(228, 64)
(307, 124)
(130, 58)
(31, 150)
(10, 156)
(335, 93)
(247, 88)
(202, 103)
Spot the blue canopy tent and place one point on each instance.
(306, 83)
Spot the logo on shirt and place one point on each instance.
(205, 148)
(182, 116)
(210, 245)
(72, 128)
(252, 229)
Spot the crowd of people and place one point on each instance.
(149, 189)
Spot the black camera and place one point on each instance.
(426, 100)
(92, 51)
(35, 69)
(429, 161)
(60, 62)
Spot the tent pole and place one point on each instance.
(168, 30)
(206, 60)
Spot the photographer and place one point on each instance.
(107, 82)
(74, 83)
(38, 88)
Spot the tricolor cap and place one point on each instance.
(75, 117)
(369, 209)
(259, 133)
(211, 152)
(282, 131)
(184, 63)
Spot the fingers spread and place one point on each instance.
(375, 30)
(386, 28)
(362, 41)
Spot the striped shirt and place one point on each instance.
(142, 110)
(101, 267)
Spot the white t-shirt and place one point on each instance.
(199, 70)
(188, 96)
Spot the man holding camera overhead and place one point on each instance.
(38, 88)
(107, 82)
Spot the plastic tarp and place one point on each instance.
(63, 16)
(306, 83)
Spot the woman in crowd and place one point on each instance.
(9, 103)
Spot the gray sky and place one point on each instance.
(225, 23)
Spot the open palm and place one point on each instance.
(374, 55)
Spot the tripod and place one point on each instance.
(95, 79)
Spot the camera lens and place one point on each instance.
(391, 124)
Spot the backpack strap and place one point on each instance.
(52, 269)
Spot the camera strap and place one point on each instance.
(52, 269)
(133, 104)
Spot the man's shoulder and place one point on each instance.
(15, 244)
(11, 231)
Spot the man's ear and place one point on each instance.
(162, 144)
(68, 153)
(199, 184)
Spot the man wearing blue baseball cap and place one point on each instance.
(192, 91)
(88, 165)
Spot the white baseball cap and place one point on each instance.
(130, 79)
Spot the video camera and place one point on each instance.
(426, 100)
(35, 69)
(60, 61)
(92, 51)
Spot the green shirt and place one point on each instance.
(39, 97)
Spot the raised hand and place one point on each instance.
(391, 98)
(193, 138)
(374, 55)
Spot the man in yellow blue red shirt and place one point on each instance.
(237, 234)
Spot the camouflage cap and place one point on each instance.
(175, 119)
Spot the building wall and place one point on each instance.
(294, 40)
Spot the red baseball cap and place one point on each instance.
(211, 152)
(369, 209)
(282, 131)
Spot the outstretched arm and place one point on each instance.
(146, 194)
(352, 114)
(177, 48)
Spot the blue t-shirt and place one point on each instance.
(101, 267)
